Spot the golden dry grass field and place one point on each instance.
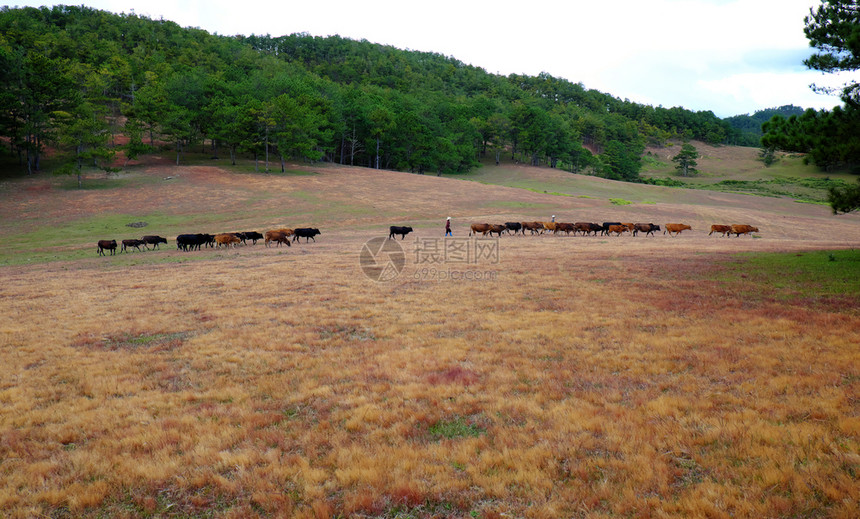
(556, 376)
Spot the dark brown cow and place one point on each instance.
(153, 240)
(278, 237)
(647, 228)
(724, 229)
(737, 230)
(106, 245)
(588, 228)
(566, 227)
(534, 227)
(498, 229)
(127, 244)
(482, 228)
(676, 228)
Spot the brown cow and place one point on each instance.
(588, 228)
(566, 227)
(676, 228)
(482, 228)
(496, 228)
(647, 228)
(532, 226)
(104, 245)
(724, 229)
(737, 230)
(279, 237)
(630, 226)
(227, 239)
(550, 226)
(617, 229)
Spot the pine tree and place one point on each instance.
(686, 160)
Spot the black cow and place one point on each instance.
(154, 241)
(253, 236)
(395, 229)
(307, 233)
(605, 227)
(188, 242)
(516, 227)
(107, 245)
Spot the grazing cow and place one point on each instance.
(227, 239)
(497, 228)
(534, 227)
(482, 228)
(154, 241)
(737, 230)
(403, 231)
(676, 228)
(617, 229)
(724, 229)
(104, 245)
(253, 236)
(588, 228)
(127, 244)
(604, 229)
(285, 230)
(566, 227)
(278, 237)
(516, 227)
(307, 233)
(647, 228)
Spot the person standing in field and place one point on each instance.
(448, 227)
(553, 218)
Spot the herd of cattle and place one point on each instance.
(604, 229)
(189, 242)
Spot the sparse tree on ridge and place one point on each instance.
(686, 160)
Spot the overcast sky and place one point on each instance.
(728, 56)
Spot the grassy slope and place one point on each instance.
(601, 377)
(726, 169)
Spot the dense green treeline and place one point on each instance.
(73, 78)
(750, 126)
(829, 138)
